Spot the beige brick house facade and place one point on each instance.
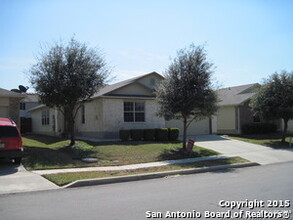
(125, 105)
(9, 105)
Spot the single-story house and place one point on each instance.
(234, 111)
(129, 104)
(9, 105)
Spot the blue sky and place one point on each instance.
(247, 40)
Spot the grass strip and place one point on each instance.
(273, 140)
(66, 178)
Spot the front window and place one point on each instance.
(134, 111)
(45, 117)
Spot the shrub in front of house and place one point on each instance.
(136, 134)
(162, 134)
(259, 128)
(124, 135)
(149, 134)
(173, 134)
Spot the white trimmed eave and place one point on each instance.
(126, 97)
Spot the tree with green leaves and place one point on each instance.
(187, 92)
(65, 76)
(274, 99)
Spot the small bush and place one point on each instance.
(124, 135)
(259, 128)
(136, 134)
(81, 150)
(173, 134)
(162, 134)
(149, 134)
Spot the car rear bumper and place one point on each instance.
(11, 153)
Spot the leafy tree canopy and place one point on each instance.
(66, 75)
(187, 91)
(274, 99)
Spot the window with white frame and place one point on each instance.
(134, 111)
(45, 117)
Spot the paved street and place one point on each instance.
(200, 192)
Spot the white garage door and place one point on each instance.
(3, 112)
(195, 128)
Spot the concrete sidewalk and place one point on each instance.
(128, 167)
(253, 152)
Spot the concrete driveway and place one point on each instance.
(15, 178)
(253, 152)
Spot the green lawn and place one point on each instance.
(43, 152)
(269, 140)
(65, 178)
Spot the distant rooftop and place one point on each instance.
(236, 95)
(30, 97)
(7, 93)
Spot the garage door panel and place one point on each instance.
(195, 128)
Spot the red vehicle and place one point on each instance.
(10, 141)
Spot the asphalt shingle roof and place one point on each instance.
(236, 95)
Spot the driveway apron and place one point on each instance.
(253, 152)
(15, 178)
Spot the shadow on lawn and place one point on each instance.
(178, 153)
(279, 145)
(134, 143)
(40, 158)
(270, 140)
(175, 154)
(45, 139)
(272, 136)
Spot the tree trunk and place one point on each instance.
(72, 135)
(285, 129)
(184, 133)
(66, 123)
(71, 128)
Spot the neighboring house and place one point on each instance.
(129, 104)
(234, 109)
(9, 105)
(31, 100)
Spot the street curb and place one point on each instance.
(120, 179)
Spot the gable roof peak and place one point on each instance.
(110, 88)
